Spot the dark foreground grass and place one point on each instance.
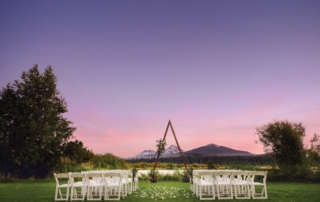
(163, 191)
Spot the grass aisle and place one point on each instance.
(161, 191)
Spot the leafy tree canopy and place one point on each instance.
(77, 153)
(33, 131)
(284, 142)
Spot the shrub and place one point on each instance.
(108, 161)
(187, 174)
(170, 166)
(316, 175)
(211, 165)
(300, 174)
(153, 176)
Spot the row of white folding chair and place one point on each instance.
(77, 182)
(244, 184)
(108, 184)
(91, 184)
(126, 180)
(204, 177)
(226, 183)
(132, 184)
(129, 184)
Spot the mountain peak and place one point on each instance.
(213, 145)
(172, 150)
(216, 150)
(145, 153)
(172, 146)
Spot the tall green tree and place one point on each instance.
(284, 142)
(33, 132)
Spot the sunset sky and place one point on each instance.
(216, 69)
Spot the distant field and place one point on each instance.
(174, 192)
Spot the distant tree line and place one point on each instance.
(222, 160)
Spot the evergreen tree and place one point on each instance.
(33, 131)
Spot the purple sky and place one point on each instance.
(216, 69)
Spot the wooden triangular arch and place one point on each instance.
(164, 137)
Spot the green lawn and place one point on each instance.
(164, 191)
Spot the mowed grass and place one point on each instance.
(43, 191)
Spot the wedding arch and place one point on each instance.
(174, 135)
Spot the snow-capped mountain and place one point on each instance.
(208, 150)
(146, 153)
(172, 150)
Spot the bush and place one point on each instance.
(187, 175)
(300, 174)
(211, 165)
(316, 175)
(108, 161)
(153, 176)
(170, 166)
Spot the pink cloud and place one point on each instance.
(233, 127)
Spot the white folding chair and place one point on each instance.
(195, 180)
(258, 179)
(126, 183)
(78, 186)
(62, 187)
(112, 185)
(223, 182)
(241, 184)
(95, 183)
(206, 190)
